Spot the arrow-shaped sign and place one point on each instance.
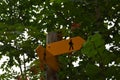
(65, 46)
(46, 58)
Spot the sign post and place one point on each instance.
(54, 48)
(51, 73)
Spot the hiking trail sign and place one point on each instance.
(65, 46)
(48, 55)
(46, 58)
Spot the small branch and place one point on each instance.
(24, 65)
(18, 59)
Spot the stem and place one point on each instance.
(18, 59)
(24, 65)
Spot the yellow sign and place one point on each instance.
(40, 52)
(52, 61)
(65, 46)
(47, 58)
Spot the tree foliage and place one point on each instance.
(23, 25)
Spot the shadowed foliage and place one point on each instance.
(23, 26)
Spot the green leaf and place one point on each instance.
(101, 49)
(107, 57)
(59, 1)
(92, 70)
(118, 60)
(97, 39)
(111, 71)
(88, 49)
(93, 46)
(116, 39)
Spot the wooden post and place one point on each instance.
(50, 73)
